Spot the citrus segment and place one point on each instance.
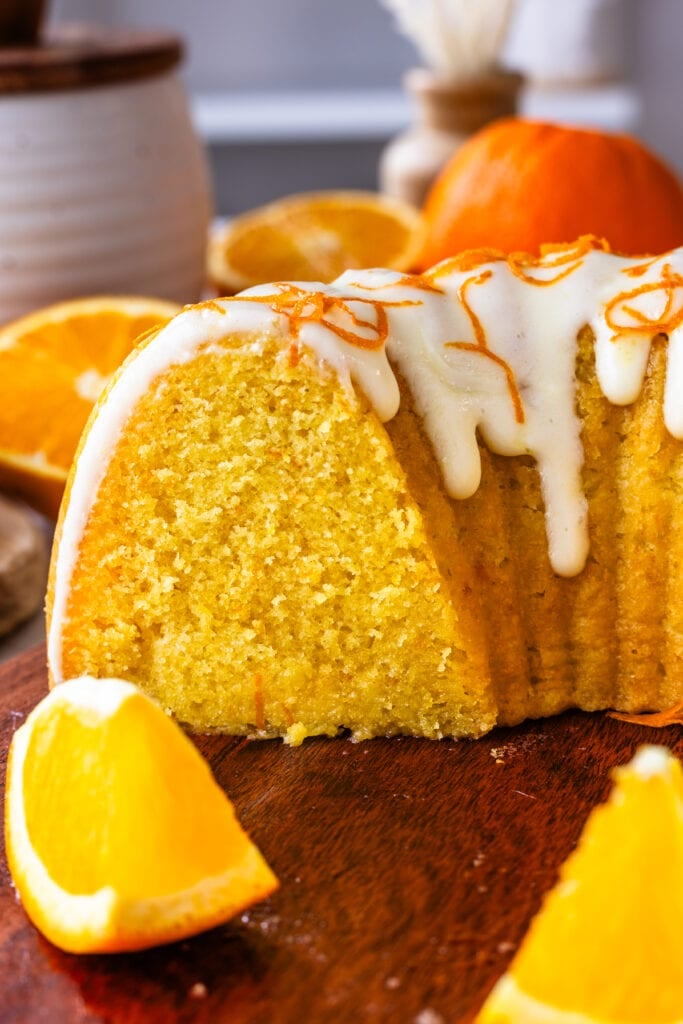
(118, 837)
(53, 365)
(314, 237)
(607, 945)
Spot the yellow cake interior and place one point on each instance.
(271, 574)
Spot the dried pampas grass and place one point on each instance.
(458, 39)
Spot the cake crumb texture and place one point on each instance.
(255, 559)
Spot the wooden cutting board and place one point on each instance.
(409, 869)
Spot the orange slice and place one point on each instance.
(53, 365)
(607, 945)
(315, 237)
(118, 837)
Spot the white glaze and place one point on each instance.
(531, 329)
(368, 368)
(534, 329)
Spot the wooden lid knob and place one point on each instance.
(20, 21)
(78, 56)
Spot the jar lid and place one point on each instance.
(80, 56)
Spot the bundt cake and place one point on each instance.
(393, 504)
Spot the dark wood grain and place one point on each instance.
(81, 56)
(409, 869)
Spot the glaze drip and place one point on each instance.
(488, 346)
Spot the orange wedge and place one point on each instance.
(607, 945)
(53, 365)
(315, 237)
(118, 837)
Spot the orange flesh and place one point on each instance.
(53, 365)
(317, 242)
(41, 410)
(104, 819)
(608, 942)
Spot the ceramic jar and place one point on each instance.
(104, 185)
(446, 114)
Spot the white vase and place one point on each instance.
(103, 189)
(570, 42)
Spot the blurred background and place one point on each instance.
(292, 95)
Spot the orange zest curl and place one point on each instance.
(671, 316)
(565, 259)
(654, 719)
(259, 702)
(581, 247)
(562, 257)
(288, 716)
(469, 346)
(477, 326)
(480, 346)
(214, 305)
(301, 307)
(419, 281)
(641, 269)
(294, 354)
(471, 259)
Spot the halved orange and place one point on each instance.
(607, 945)
(314, 237)
(53, 365)
(118, 837)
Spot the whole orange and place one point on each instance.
(518, 184)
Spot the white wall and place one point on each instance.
(658, 72)
(265, 44)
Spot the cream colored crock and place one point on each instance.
(103, 186)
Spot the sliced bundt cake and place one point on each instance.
(240, 539)
(244, 538)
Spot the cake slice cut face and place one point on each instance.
(393, 504)
(241, 541)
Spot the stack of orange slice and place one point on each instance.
(315, 237)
